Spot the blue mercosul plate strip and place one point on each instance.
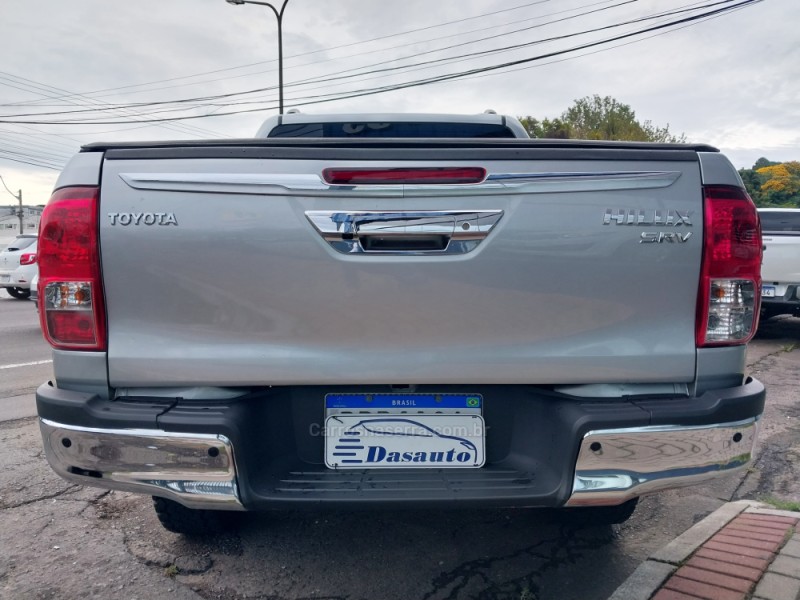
(402, 401)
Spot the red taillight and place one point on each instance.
(27, 259)
(729, 297)
(399, 176)
(70, 290)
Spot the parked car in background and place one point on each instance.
(780, 271)
(34, 297)
(19, 253)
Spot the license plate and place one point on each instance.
(419, 441)
(767, 291)
(407, 431)
(5, 278)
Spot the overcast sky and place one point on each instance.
(730, 80)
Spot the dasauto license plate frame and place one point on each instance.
(404, 431)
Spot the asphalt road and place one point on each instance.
(25, 358)
(64, 541)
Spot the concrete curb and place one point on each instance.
(648, 578)
(14, 408)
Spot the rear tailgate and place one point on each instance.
(218, 269)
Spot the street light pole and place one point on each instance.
(20, 213)
(279, 17)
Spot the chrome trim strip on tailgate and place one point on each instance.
(313, 185)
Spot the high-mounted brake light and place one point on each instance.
(400, 176)
(27, 259)
(70, 291)
(729, 297)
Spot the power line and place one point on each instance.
(29, 156)
(439, 79)
(451, 76)
(320, 62)
(379, 38)
(34, 164)
(43, 153)
(349, 75)
(45, 90)
(29, 140)
(342, 74)
(598, 51)
(461, 58)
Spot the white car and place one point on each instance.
(18, 266)
(34, 297)
(780, 271)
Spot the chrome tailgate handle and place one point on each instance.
(404, 232)
(413, 224)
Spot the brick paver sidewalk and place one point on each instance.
(742, 551)
(742, 558)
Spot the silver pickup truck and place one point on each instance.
(400, 311)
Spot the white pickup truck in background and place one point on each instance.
(398, 311)
(780, 271)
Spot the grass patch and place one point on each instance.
(171, 571)
(782, 504)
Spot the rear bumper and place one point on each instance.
(17, 278)
(261, 451)
(786, 300)
(616, 465)
(195, 470)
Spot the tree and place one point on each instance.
(752, 183)
(596, 118)
(554, 129)
(763, 162)
(773, 184)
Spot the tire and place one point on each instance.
(177, 518)
(19, 293)
(600, 515)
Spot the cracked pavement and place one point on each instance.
(65, 541)
(57, 540)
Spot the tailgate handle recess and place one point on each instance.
(404, 232)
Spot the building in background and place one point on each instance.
(9, 221)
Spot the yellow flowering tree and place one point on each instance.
(773, 183)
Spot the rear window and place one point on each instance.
(780, 222)
(20, 243)
(393, 130)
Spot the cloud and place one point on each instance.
(731, 81)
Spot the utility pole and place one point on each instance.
(20, 212)
(279, 17)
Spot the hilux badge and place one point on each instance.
(670, 218)
(646, 218)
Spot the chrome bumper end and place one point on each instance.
(197, 470)
(617, 465)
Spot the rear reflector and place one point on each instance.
(70, 291)
(729, 297)
(27, 259)
(399, 176)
